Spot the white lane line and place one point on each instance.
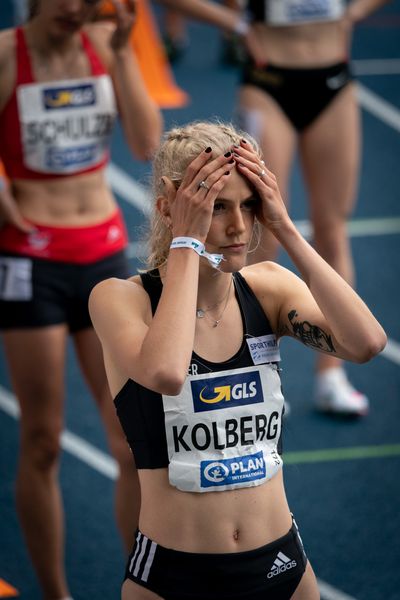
(392, 351)
(137, 250)
(359, 227)
(377, 106)
(92, 456)
(328, 592)
(76, 446)
(386, 66)
(128, 188)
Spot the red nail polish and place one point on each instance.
(208, 150)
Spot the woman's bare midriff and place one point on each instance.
(213, 522)
(310, 45)
(74, 201)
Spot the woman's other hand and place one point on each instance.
(271, 212)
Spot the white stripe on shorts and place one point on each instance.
(138, 538)
(142, 544)
(149, 561)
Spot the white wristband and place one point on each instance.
(197, 246)
(241, 27)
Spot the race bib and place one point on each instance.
(66, 125)
(223, 429)
(289, 12)
(264, 349)
(15, 278)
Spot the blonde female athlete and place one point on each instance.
(191, 350)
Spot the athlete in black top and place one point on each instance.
(191, 353)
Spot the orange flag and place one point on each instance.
(153, 62)
(7, 590)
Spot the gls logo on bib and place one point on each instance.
(218, 393)
(75, 96)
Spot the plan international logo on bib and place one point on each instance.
(217, 393)
(76, 96)
(228, 471)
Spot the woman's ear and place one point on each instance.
(169, 189)
(165, 199)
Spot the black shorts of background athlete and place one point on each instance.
(60, 293)
(302, 94)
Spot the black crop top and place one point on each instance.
(141, 411)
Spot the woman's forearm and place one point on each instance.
(168, 345)
(140, 116)
(361, 9)
(350, 320)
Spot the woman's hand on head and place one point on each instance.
(125, 17)
(189, 209)
(271, 212)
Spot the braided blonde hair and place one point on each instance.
(178, 149)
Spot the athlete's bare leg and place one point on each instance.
(330, 151)
(308, 586)
(37, 376)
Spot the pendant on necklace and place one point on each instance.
(200, 313)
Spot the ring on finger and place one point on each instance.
(262, 173)
(203, 184)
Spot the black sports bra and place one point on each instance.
(141, 411)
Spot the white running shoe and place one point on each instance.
(334, 393)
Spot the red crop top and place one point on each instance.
(56, 128)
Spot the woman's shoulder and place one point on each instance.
(271, 283)
(264, 274)
(115, 287)
(113, 298)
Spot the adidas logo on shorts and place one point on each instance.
(281, 564)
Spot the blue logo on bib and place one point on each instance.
(229, 471)
(75, 96)
(217, 393)
(309, 9)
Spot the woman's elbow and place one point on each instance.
(146, 148)
(169, 382)
(145, 145)
(372, 348)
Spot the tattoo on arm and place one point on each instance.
(311, 335)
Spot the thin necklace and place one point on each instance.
(202, 312)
